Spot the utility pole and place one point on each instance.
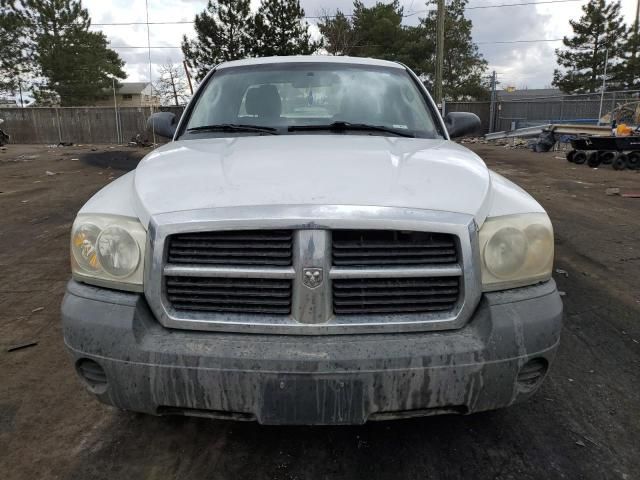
(492, 107)
(184, 64)
(173, 83)
(604, 82)
(439, 51)
(153, 130)
(20, 89)
(636, 26)
(115, 109)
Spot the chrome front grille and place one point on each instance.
(364, 248)
(237, 295)
(232, 248)
(395, 295)
(312, 270)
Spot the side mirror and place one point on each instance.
(163, 124)
(461, 123)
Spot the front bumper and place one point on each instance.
(332, 379)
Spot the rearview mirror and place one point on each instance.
(461, 123)
(163, 124)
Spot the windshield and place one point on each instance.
(304, 98)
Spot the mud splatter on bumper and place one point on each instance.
(334, 379)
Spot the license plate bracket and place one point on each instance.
(297, 399)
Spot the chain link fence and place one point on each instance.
(513, 114)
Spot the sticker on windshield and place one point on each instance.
(401, 126)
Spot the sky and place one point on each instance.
(521, 65)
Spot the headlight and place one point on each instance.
(517, 250)
(108, 250)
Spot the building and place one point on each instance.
(131, 94)
(6, 102)
(531, 94)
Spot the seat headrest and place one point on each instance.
(264, 101)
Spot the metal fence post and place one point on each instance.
(613, 104)
(58, 122)
(492, 108)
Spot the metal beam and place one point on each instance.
(561, 129)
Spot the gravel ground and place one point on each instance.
(583, 424)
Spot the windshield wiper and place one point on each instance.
(234, 127)
(346, 126)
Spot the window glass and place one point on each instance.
(284, 95)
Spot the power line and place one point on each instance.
(145, 47)
(156, 47)
(502, 5)
(521, 41)
(117, 24)
(319, 17)
(521, 4)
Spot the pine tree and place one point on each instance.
(379, 29)
(223, 33)
(338, 31)
(76, 65)
(279, 29)
(13, 47)
(464, 67)
(598, 35)
(629, 76)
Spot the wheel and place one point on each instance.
(570, 155)
(620, 163)
(633, 160)
(608, 157)
(594, 159)
(580, 157)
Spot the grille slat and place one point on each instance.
(398, 261)
(246, 262)
(375, 283)
(364, 301)
(395, 295)
(229, 295)
(221, 300)
(235, 309)
(240, 245)
(233, 248)
(206, 282)
(346, 293)
(228, 253)
(396, 244)
(394, 252)
(238, 236)
(366, 248)
(392, 310)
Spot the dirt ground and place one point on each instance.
(583, 424)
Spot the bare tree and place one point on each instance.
(171, 86)
(339, 32)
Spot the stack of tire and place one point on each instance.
(595, 158)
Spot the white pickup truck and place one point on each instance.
(311, 248)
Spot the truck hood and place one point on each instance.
(312, 169)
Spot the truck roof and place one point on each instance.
(310, 59)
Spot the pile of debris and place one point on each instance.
(546, 135)
(473, 140)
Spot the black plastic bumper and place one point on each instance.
(333, 379)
